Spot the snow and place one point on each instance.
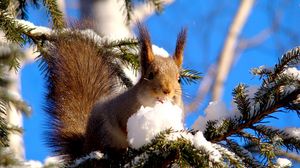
(33, 164)
(91, 34)
(277, 139)
(289, 88)
(159, 51)
(216, 110)
(36, 29)
(53, 160)
(4, 49)
(293, 132)
(251, 90)
(136, 160)
(200, 141)
(200, 124)
(93, 155)
(144, 125)
(292, 72)
(254, 106)
(132, 74)
(283, 162)
(262, 68)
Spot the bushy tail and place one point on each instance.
(79, 73)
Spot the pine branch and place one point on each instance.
(125, 50)
(7, 158)
(189, 76)
(265, 147)
(289, 155)
(20, 31)
(244, 154)
(290, 58)
(158, 5)
(13, 31)
(163, 152)
(260, 115)
(262, 71)
(21, 9)
(241, 99)
(289, 142)
(255, 150)
(3, 125)
(130, 4)
(55, 13)
(279, 90)
(21, 5)
(232, 157)
(4, 4)
(181, 152)
(6, 97)
(10, 55)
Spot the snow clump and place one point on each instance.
(283, 162)
(144, 125)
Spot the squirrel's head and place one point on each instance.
(160, 75)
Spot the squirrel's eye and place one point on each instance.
(179, 78)
(150, 76)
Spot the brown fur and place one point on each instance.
(107, 124)
(86, 117)
(79, 75)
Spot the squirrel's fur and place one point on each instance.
(86, 114)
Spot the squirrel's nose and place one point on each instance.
(166, 91)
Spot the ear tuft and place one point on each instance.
(181, 39)
(147, 55)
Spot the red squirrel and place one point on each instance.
(86, 113)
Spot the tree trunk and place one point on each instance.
(108, 17)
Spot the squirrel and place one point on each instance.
(86, 114)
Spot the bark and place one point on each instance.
(107, 16)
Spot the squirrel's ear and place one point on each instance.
(181, 38)
(147, 55)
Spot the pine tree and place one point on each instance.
(239, 140)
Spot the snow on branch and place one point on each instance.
(279, 91)
(148, 122)
(93, 155)
(35, 30)
(157, 135)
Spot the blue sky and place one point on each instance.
(205, 38)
